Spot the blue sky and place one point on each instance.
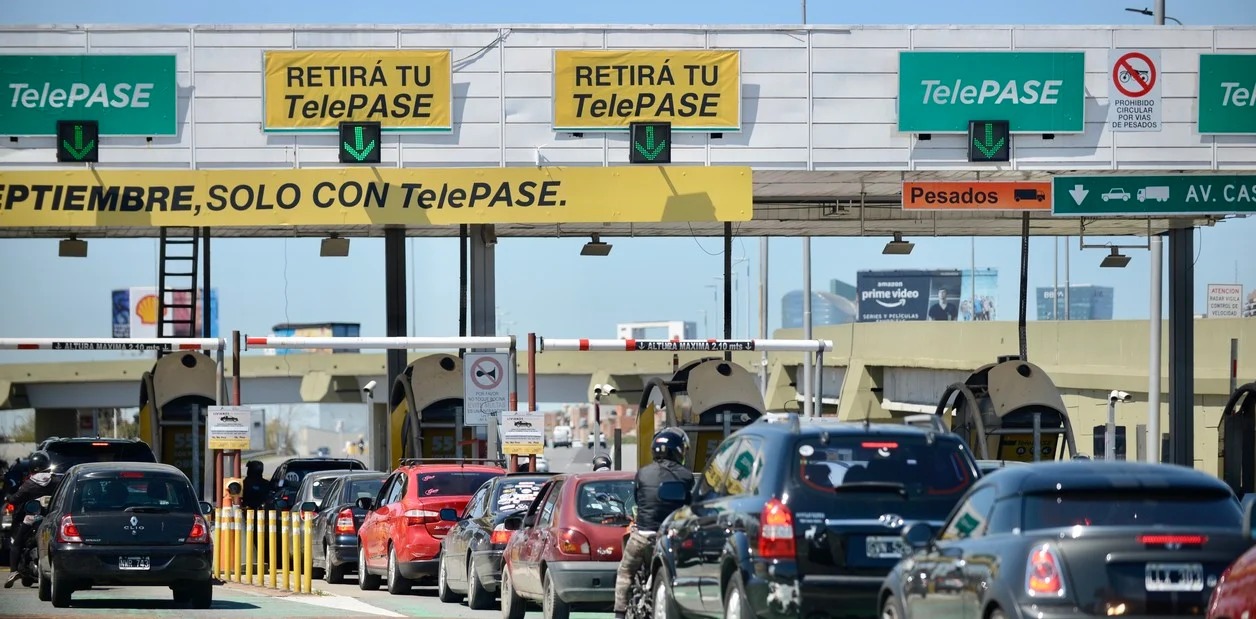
(542, 285)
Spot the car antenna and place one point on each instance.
(867, 420)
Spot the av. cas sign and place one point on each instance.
(1227, 93)
(606, 90)
(315, 90)
(1036, 92)
(132, 95)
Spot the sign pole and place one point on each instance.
(1154, 354)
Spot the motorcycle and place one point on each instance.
(28, 559)
(640, 591)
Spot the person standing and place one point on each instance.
(943, 310)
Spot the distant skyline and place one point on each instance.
(543, 285)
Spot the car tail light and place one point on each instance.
(200, 531)
(776, 531)
(1172, 540)
(100, 444)
(68, 532)
(500, 535)
(131, 475)
(416, 517)
(344, 522)
(1043, 574)
(879, 445)
(8, 507)
(573, 542)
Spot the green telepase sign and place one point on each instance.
(1227, 93)
(1036, 92)
(127, 94)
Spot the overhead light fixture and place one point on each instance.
(898, 246)
(334, 247)
(1115, 260)
(596, 247)
(72, 248)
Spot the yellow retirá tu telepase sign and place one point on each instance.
(373, 196)
(316, 90)
(695, 90)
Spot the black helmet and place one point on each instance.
(39, 462)
(670, 444)
(602, 463)
(253, 465)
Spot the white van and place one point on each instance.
(562, 436)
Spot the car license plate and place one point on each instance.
(1175, 577)
(884, 547)
(133, 563)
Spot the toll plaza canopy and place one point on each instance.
(783, 130)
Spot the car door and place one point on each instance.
(947, 593)
(517, 549)
(539, 539)
(696, 534)
(326, 512)
(720, 518)
(457, 542)
(382, 520)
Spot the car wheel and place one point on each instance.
(45, 587)
(478, 598)
(891, 609)
(334, 574)
(366, 580)
(736, 606)
(664, 604)
(512, 605)
(61, 591)
(443, 592)
(397, 584)
(552, 606)
(203, 594)
(182, 595)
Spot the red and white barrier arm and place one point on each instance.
(379, 343)
(110, 343)
(711, 345)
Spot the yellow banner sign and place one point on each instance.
(316, 90)
(373, 196)
(605, 90)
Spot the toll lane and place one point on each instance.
(422, 602)
(230, 601)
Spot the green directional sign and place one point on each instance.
(1036, 92)
(650, 143)
(1227, 93)
(989, 140)
(359, 142)
(78, 141)
(134, 95)
(1176, 194)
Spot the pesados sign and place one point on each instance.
(366, 196)
(316, 90)
(605, 90)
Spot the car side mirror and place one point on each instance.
(674, 492)
(207, 508)
(1249, 516)
(309, 506)
(366, 503)
(33, 507)
(918, 535)
(449, 514)
(513, 523)
(529, 521)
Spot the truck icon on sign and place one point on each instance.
(1159, 194)
(1028, 194)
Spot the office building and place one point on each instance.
(1084, 303)
(826, 309)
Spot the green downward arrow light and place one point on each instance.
(358, 150)
(78, 150)
(650, 150)
(990, 147)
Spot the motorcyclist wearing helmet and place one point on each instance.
(669, 448)
(602, 463)
(255, 486)
(39, 484)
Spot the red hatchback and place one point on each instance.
(400, 538)
(567, 549)
(1235, 595)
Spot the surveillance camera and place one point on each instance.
(603, 389)
(1120, 396)
(369, 387)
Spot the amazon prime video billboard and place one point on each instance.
(904, 295)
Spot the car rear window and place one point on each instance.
(452, 483)
(319, 487)
(364, 488)
(606, 502)
(297, 471)
(1142, 508)
(515, 494)
(910, 475)
(62, 456)
(136, 491)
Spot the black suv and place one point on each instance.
(287, 478)
(802, 517)
(64, 453)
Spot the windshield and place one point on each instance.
(135, 491)
(870, 475)
(62, 456)
(452, 483)
(606, 502)
(515, 494)
(1143, 508)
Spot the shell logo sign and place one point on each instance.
(146, 309)
(135, 313)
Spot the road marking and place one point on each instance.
(340, 602)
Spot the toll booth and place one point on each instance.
(709, 399)
(1010, 410)
(425, 402)
(174, 397)
(1236, 444)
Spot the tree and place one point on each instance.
(279, 434)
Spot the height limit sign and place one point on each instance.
(486, 387)
(1134, 90)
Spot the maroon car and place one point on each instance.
(568, 545)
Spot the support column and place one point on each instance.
(483, 280)
(395, 326)
(1182, 346)
(728, 286)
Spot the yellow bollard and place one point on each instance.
(217, 569)
(285, 547)
(248, 545)
(308, 542)
(272, 544)
(297, 558)
(261, 548)
(235, 544)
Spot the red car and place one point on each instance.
(1235, 595)
(401, 535)
(568, 546)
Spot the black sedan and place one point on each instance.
(335, 531)
(1072, 539)
(125, 524)
(471, 553)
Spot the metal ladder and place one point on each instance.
(177, 267)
